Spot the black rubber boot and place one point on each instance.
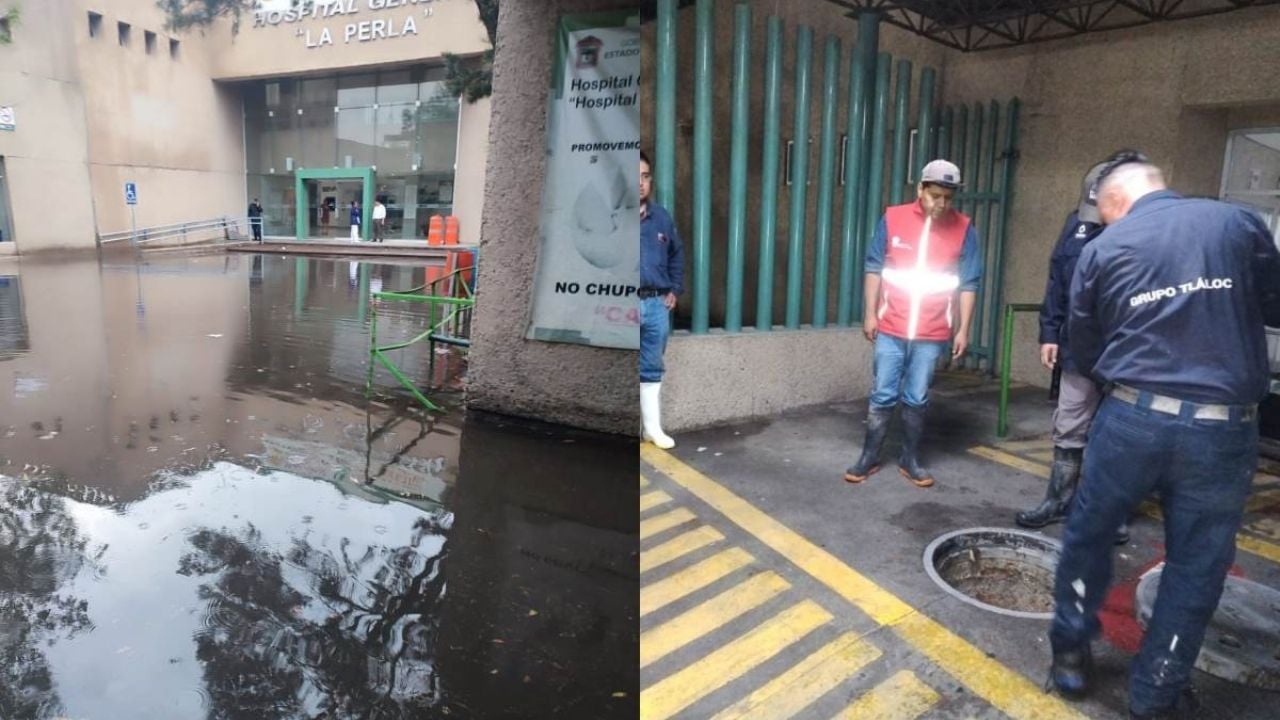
(1070, 672)
(1062, 488)
(909, 462)
(869, 462)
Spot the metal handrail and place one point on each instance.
(225, 223)
(1002, 418)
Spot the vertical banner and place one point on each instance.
(589, 254)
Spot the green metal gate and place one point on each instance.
(981, 138)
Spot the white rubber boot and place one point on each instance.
(651, 414)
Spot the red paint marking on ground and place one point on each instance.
(1119, 617)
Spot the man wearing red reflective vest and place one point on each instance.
(923, 255)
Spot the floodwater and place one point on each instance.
(201, 515)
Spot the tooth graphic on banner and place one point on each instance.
(597, 222)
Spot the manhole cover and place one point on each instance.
(1242, 642)
(998, 569)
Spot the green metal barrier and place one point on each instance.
(870, 162)
(1006, 353)
(452, 329)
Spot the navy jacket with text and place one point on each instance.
(1172, 299)
(1057, 291)
(661, 251)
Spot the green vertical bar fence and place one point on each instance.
(769, 173)
(704, 53)
(738, 167)
(867, 51)
(799, 177)
(848, 283)
(924, 120)
(665, 106)
(901, 101)
(875, 153)
(826, 180)
(1009, 157)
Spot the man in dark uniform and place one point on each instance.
(1167, 309)
(255, 219)
(1078, 394)
(661, 281)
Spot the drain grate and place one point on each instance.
(1242, 642)
(1003, 570)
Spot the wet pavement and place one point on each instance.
(201, 516)
(757, 527)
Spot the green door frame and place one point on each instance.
(363, 174)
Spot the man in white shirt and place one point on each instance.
(379, 220)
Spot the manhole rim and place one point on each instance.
(938, 580)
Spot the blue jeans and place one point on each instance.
(903, 370)
(1203, 471)
(655, 326)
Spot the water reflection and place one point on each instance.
(202, 517)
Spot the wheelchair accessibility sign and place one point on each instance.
(131, 193)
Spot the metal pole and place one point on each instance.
(665, 106)
(799, 176)
(738, 167)
(1006, 202)
(1002, 419)
(702, 110)
(769, 174)
(944, 134)
(973, 156)
(989, 186)
(868, 45)
(826, 181)
(924, 122)
(133, 225)
(879, 119)
(853, 188)
(898, 171)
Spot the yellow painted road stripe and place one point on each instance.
(1270, 551)
(682, 689)
(653, 500)
(666, 521)
(1256, 546)
(1044, 456)
(1007, 690)
(1024, 445)
(709, 616)
(644, 481)
(694, 578)
(1262, 500)
(1012, 461)
(678, 547)
(810, 679)
(901, 697)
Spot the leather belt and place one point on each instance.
(646, 292)
(1174, 406)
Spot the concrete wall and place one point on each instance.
(46, 156)
(468, 182)
(443, 26)
(157, 121)
(722, 378)
(1173, 90)
(585, 387)
(826, 19)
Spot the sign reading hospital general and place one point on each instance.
(589, 256)
(355, 21)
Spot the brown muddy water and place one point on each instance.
(201, 516)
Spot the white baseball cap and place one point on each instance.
(941, 172)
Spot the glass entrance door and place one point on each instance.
(329, 205)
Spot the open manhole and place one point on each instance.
(1003, 570)
(1242, 642)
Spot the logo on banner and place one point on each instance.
(589, 52)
